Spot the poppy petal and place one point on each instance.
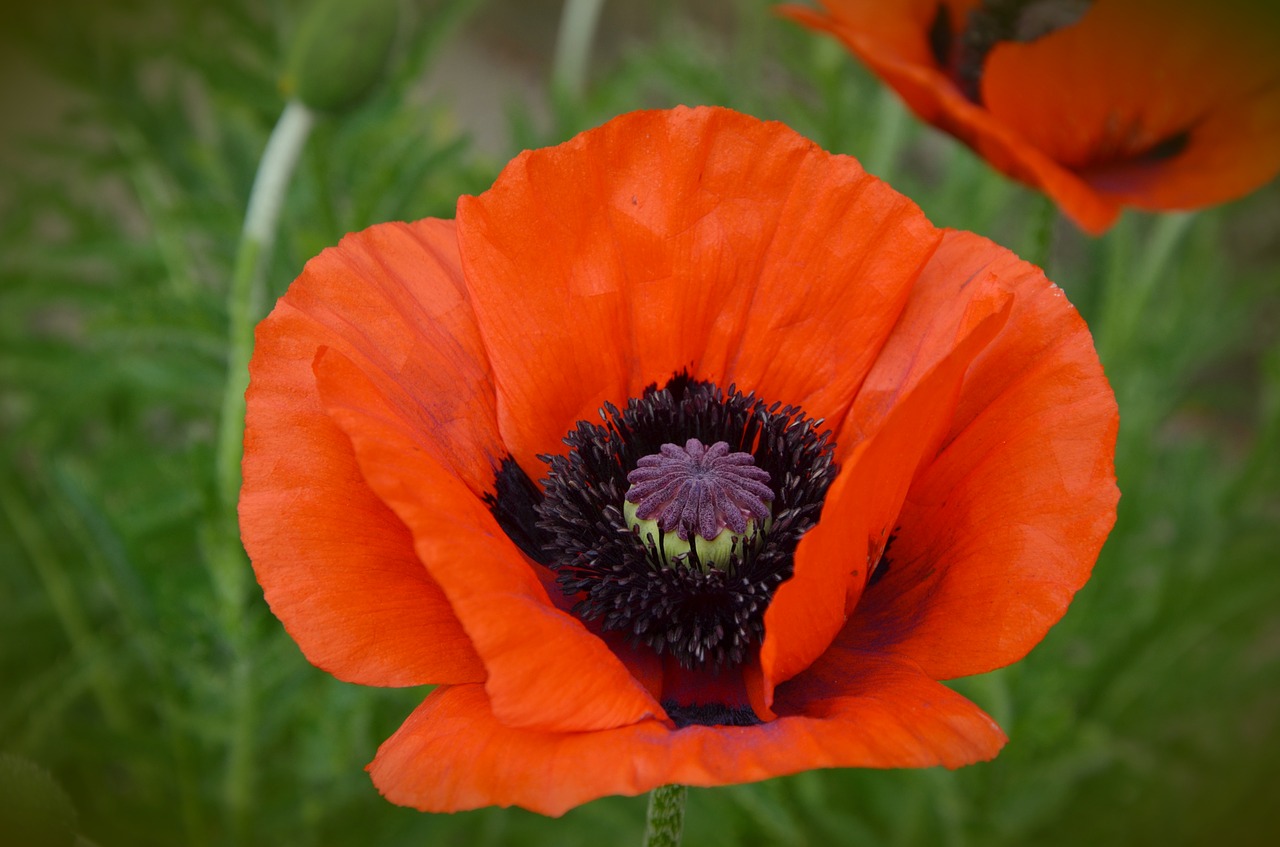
(1109, 115)
(891, 39)
(693, 239)
(1142, 102)
(1003, 526)
(336, 565)
(545, 669)
(391, 299)
(965, 280)
(451, 754)
(833, 559)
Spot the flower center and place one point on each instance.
(678, 547)
(711, 499)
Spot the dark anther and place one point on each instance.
(711, 714)
(704, 616)
(514, 505)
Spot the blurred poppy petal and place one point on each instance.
(1156, 104)
(1215, 139)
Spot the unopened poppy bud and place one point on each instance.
(340, 52)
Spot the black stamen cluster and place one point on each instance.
(701, 616)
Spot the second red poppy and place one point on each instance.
(1101, 104)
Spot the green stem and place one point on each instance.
(221, 541)
(1042, 235)
(244, 300)
(573, 44)
(1128, 292)
(665, 823)
(891, 125)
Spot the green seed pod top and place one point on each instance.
(340, 52)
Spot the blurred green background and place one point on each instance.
(173, 709)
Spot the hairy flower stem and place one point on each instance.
(665, 822)
(1041, 252)
(225, 557)
(886, 143)
(573, 44)
(244, 300)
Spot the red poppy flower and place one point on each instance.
(1158, 104)
(694, 323)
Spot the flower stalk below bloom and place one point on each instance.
(244, 300)
(221, 543)
(578, 23)
(664, 824)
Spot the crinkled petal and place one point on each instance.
(545, 669)
(337, 567)
(1002, 528)
(853, 710)
(692, 239)
(834, 559)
